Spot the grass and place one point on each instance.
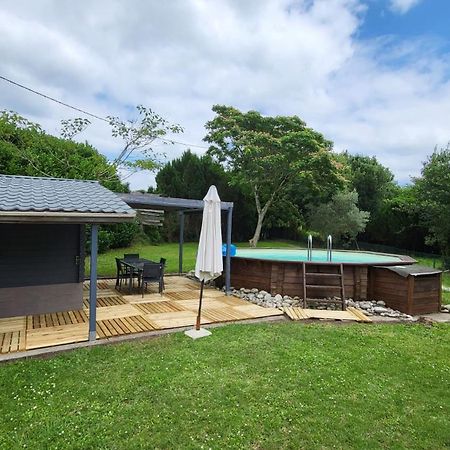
(265, 386)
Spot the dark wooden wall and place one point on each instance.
(41, 268)
(286, 278)
(412, 295)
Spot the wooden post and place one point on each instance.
(409, 301)
(93, 284)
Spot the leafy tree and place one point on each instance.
(267, 155)
(190, 176)
(340, 217)
(433, 191)
(375, 185)
(372, 181)
(399, 220)
(25, 149)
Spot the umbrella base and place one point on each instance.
(196, 334)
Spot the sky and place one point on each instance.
(372, 75)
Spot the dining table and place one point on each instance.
(135, 265)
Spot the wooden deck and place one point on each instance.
(121, 314)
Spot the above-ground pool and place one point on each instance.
(338, 256)
(280, 271)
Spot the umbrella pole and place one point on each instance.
(197, 325)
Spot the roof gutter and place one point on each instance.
(63, 217)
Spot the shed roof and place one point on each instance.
(28, 199)
(414, 270)
(145, 201)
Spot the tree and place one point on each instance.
(25, 149)
(266, 155)
(372, 181)
(433, 191)
(190, 176)
(138, 136)
(375, 185)
(340, 217)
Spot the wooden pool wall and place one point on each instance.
(286, 277)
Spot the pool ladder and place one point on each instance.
(329, 248)
(313, 280)
(309, 251)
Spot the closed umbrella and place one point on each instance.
(209, 264)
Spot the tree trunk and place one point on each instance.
(254, 240)
(261, 213)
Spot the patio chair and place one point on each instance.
(123, 273)
(162, 261)
(152, 273)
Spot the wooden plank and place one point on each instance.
(113, 312)
(359, 314)
(22, 341)
(57, 335)
(13, 324)
(6, 342)
(15, 341)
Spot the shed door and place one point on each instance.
(40, 254)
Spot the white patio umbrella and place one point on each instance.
(209, 264)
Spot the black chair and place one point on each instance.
(162, 261)
(131, 256)
(123, 273)
(152, 273)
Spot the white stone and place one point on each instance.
(380, 309)
(278, 298)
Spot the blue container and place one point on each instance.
(232, 250)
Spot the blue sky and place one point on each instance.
(371, 75)
(428, 18)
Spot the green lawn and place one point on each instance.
(265, 386)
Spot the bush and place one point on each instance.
(122, 234)
(113, 236)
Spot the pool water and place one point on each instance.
(275, 254)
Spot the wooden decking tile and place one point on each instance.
(123, 325)
(13, 324)
(110, 300)
(296, 313)
(184, 295)
(64, 334)
(114, 312)
(12, 341)
(158, 307)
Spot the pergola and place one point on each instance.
(183, 206)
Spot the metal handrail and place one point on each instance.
(329, 247)
(309, 251)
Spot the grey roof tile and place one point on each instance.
(21, 193)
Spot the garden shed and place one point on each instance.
(42, 247)
(411, 289)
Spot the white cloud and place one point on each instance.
(181, 57)
(402, 6)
